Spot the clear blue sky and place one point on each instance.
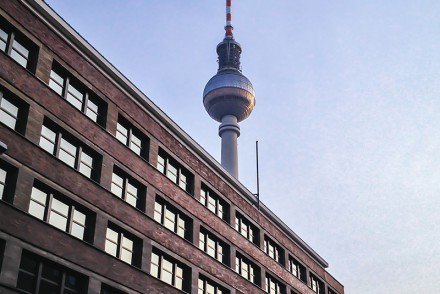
(347, 115)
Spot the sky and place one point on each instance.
(347, 115)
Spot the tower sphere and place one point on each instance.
(229, 92)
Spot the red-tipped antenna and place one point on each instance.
(228, 26)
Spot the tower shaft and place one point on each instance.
(229, 131)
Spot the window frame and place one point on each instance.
(73, 207)
(82, 151)
(166, 164)
(176, 265)
(278, 251)
(123, 235)
(316, 285)
(161, 217)
(246, 228)
(20, 119)
(9, 182)
(204, 237)
(253, 271)
(206, 194)
(204, 281)
(37, 275)
(88, 96)
(15, 36)
(128, 181)
(300, 269)
(132, 131)
(280, 287)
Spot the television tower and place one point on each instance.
(229, 96)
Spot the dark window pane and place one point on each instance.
(26, 282)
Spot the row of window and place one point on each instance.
(38, 275)
(64, 214)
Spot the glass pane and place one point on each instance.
(36, 209)
(85, 170)
(72, 282)
(48, 288)
(3, 39)
(110, 247)
(58, 221)
(7, 119)
(74, 97)
(158, 212)
(26, 282)
(161, 164)
(60, 207)
(121, 133)
(19, 54)
(132, 200)
(92, 110)
(77, 231)
(167, 270)
(28, 264)
(126, 256)
(154, 270)
(112, 235)
(38, 195)
(86, 159)
(51, 273)
(9, 107)
(79, 217)
(172, 173)
(56, 82)
(47, 140)
(127, 243)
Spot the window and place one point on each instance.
(297, 269)
(247, 269)
(128, 189)
(122, 245)
(77, 94)
(206, 286)
(132, 138)
(330, 291)
(316, 284)
(273, 250)
(60, 212)
(105, 289)
(274, 286)
(213, 246)
(66, 148)
(13, 112)
(246, 229)
(172, 219)
(40, 276)
(174, 171)
(17, 46)
(170, 271)
(214, 203)
(8, 178)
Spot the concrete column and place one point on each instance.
(23, 189)
(11, 264)
(147, 248)
(94, 286)
(229, 131)
(100, 231)
(194, 280)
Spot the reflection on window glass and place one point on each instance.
(54, 210)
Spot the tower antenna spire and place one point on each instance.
(229, 26)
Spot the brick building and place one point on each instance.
(102, 193)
